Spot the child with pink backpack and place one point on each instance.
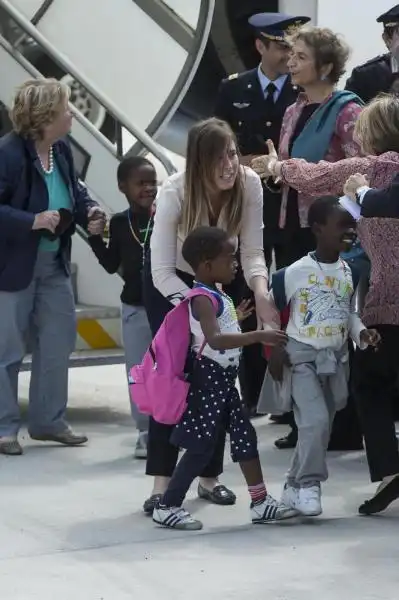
(209, 400)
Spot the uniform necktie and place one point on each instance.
(269, 92)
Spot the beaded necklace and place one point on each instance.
(50, 162)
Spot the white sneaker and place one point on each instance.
(309, 501)
(290, 495)
(270, 511)
(175, 517)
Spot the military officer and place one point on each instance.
(254, 103)
(380, 74)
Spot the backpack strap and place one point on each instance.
(200, 291)
(278, 287)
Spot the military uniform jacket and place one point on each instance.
(241, 103)
(373, 77)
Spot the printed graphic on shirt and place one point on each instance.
(324, 305)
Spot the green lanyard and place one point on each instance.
(146, 234)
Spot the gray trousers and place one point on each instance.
(314, 410)
(137, 337)
(44, 313)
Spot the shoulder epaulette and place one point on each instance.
(376, 59)
(233, 76)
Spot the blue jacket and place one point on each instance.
(23, 194)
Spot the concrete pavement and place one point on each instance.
(72, 526)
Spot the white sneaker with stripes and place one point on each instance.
(175, 517)
(270, 511)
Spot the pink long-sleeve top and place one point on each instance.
(324, 178)
(342, 146)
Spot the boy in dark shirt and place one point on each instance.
(129, 232)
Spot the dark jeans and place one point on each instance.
(188, 468)
(161, 454)
(375, 375)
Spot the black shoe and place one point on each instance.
(281, 419)
(342, 446)
(219, 495)
(287, 442)
(383, 497)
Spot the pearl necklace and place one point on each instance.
(50, 162)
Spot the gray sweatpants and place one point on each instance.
(137, 337)
(314, 410)
(44, 312)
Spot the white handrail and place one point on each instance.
(35, 73)
(66, 64)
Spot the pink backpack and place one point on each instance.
(158, 386)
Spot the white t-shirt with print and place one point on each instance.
(228, 323)
(321, 307)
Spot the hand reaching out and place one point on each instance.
(244, 310)
(353, 183)
(97, 220)
(265, 166)
(272, 337)
(371, 337)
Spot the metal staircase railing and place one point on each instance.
(145, 140)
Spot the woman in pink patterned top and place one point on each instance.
(376, 130)
(319, 126)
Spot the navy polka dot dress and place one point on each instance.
(214, 403)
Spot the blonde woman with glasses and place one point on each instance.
(214, 190)
(41, 201)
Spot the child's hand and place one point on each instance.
(273, 337)
(371, 337)
(278, 360)
(244, 309)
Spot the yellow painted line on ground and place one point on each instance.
(95, 335)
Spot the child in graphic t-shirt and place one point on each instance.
(312, 371)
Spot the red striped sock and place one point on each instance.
(257, 492)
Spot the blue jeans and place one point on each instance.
(137, 337)
(44, 313)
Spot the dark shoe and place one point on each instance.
(68, 438)
(281, 419)
(219, 495)
(383, 497)
(151, 503)
(10, 447)
(253, 413)
(345, 446)
(287, 442)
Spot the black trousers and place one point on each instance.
(375, 375)
(252, 365)
(162, 456)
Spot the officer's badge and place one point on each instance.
(241, 104)
(233, 76)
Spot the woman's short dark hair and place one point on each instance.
(328, 49)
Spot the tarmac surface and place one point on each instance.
(72, 527)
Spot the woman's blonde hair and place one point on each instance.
(377, 126)
(208, 142)
(36, 104)
(328, 49)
